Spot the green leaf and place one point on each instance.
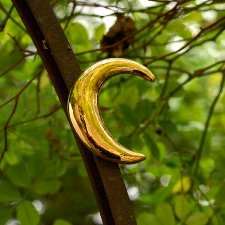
(58, 169)
(99, 32)
(184, 183)
(61, 222)
(5, 214)
(179, 28)
(152, 146)
(128, 96)
(193, 17)
(27, 213)
(181, 207)
(147, 219)
(19, 175)
(78, 34)
(11, 157)
(8, 193)
(137, 142)
(165, 214)
(44, 187)
(197, 218)
(20, 74)
(129, 115)
(157, 197)
(36, 163)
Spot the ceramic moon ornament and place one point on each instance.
(84, 111)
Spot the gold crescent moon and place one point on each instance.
(84, 111)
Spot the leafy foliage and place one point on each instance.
(177, 121)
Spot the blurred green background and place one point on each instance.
(177, 121)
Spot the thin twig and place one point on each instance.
(5, 129)
(166, 80)
(14, 65)
(151, 40)
(188, 43)
(35, 118)
(2, 26)
(20, 48)
(36, 75)
(14, 21)
(70, 17)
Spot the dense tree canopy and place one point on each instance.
(177, 121)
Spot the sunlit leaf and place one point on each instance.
(179, 29)
(11, 157)
(165, 214)
(99, 32)
(44, 80)
(61, 222)
(193, 17)
(75, 33)
(27, 213)
(147, 218)
(197, 218)
(183, 183)
(181, 206)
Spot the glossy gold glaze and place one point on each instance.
(84, 111)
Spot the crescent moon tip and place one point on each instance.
(138, 157)
(153, 79)
(141, 158)
(151, 76)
